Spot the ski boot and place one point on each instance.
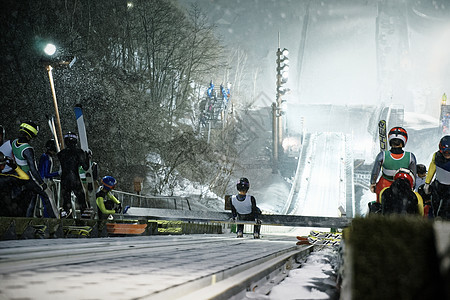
(240, 234)
(256, 235)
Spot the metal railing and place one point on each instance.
(166, 202)
(127, 199)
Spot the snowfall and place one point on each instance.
(316, 278)
(336, 68)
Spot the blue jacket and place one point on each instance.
(45, 167)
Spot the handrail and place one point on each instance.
(135, 200)
(296, 179)
(224, 217)
(167, 202)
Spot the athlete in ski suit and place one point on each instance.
(24, 156)
(107, 204)
(390, 161)
(399, 197)
(71, 158)
(45, 170)
(440, 187)
(9, 181)
(243, 206)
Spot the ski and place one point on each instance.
(320, 238)
(51, 124)
(50, 191)
(323, 241)
(325, 235)
(382, 134)
(84, 146)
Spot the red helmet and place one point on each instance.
(405, 174)
(398, 133)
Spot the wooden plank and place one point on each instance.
(124, 228)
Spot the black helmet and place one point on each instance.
(444, 144)
(243, 184)
(50, 145)
(70, 139)
(421, 169)
(30, 128)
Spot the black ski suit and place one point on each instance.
(399, 198)
(8, 182)
(71, 158)
(246, 210)
(440, 187)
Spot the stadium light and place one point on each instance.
(50, 49)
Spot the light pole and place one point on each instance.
(274, 138)
(282, 78)
(55, 103)
(277, 107)
(50, 50)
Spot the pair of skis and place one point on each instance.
(85, 147)
(320, 238)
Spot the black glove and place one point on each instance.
(118, 208)
(89, 154)
(11, 163)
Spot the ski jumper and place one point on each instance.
(71, 159)
(389, 162)
(24, 156)
(105, 203)
(440, 187)
(45, 170)
(400, 199)
(244, 207)
(45, 167)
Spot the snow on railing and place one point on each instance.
(295, 183)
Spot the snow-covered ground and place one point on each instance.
(316, 279)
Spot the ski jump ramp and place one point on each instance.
(323, 183)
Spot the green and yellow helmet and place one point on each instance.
(30, 128)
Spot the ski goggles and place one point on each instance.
(71, 136)
(108, 186)
(445, 151)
